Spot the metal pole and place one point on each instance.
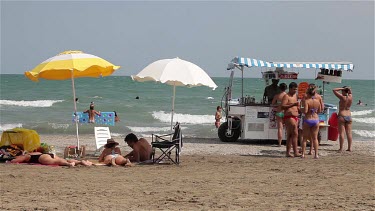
(242, 84)
(75, 107)
(174, 93)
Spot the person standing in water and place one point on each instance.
(217, 116)
(344, 115)
(92, 112)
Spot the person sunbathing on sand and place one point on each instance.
(48, 159)
(111, 155)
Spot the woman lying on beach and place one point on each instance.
(48, 159)
(111, 155)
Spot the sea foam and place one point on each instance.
(365, 133)
(368, 120)
(35, 103)
(183, 118)
(361, 113)
(148, 129)
(4, 127)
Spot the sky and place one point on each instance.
(133, 34)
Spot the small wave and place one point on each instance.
(210, 98)
(361, 113)
(116, 134)
(183, 118)
(96, 97)
(5, 127)
(35, 103)
(369, 120)
(59, 126)
(365, 133)
(149, 129)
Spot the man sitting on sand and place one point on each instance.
(290, 105)
(92, 113)
(141, 148)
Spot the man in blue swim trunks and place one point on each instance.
(344, 115)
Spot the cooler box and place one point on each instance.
(27, 139)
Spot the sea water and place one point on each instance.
(47, 106)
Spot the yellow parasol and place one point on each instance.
(70, 65)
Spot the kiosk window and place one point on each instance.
(263, 115)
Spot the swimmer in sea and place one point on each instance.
(92, 113)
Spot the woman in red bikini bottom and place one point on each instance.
(311, 108)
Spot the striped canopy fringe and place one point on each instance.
(249, 62)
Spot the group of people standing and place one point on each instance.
(288, 108)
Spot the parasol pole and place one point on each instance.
(174, 93)
(75, 107)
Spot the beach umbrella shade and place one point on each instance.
(69, 65)
(175, 72)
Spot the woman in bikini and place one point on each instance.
(111, 155)
(48, 159)
(311, 107)
(276, 102)
(344, 115)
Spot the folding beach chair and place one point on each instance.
(167, 144)
(101, 136)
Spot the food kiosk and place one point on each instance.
(247, 118)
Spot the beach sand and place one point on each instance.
(244, 175)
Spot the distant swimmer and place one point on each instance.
(92, 113)
(344, 115)
(361, 103)
(137, 98)
(117, 118)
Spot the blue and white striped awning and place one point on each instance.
(249, 62)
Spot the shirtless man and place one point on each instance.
(290, 105)
(141, 148)
(311, 107)
(344, 115)
(92, 113)
(276, 102)
(270, 91)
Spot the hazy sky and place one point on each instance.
(207, 33)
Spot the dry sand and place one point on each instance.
(230, 176)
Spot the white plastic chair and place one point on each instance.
(101, 136)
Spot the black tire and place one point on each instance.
(222, 132)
